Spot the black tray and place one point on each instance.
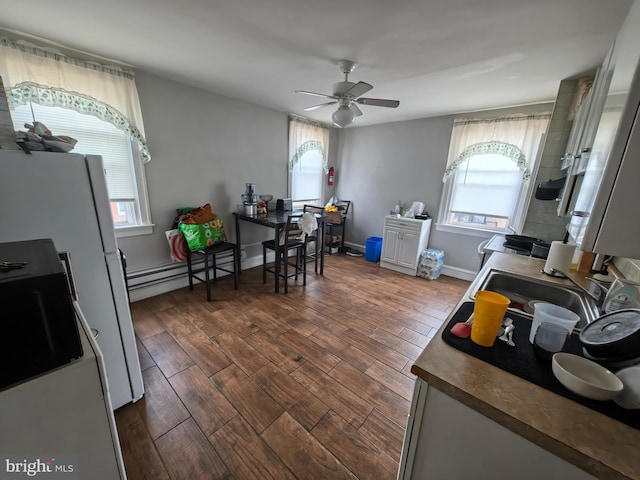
(522, 362)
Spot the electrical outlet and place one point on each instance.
(243, 254)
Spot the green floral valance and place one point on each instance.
(492, 148)
(31, 92)
(308, 146)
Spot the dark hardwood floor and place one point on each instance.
(314, 384)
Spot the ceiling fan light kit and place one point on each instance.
(343, 117)
(347, 95)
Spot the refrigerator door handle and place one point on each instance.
(66, 259)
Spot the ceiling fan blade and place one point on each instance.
(378, 102)
(357, 111)
(358, 89)
(316, 94)
(315, 107)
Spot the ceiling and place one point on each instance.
(435, 56)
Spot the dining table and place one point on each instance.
(277, 220)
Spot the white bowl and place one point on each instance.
(585, 377)
(630, 395)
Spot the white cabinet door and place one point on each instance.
(444, 429)
(391, 244)
(409, 248)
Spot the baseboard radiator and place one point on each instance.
(165, 278)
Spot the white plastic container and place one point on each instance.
(548, 312)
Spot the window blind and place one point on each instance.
(94, 136)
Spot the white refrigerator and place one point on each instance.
(63, 196)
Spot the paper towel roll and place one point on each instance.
(560, 256)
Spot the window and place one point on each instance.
(98, 137)
(490, 164)
(306, 178)
(97, 105)
(308, 144)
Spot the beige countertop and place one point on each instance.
(600, 445)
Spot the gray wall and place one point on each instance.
(382, 164)
(204, 148)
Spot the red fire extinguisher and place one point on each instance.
(331, 176)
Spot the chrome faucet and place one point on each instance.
(599, 299)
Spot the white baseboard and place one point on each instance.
(166, 278)
(460, 273)
(455, 272)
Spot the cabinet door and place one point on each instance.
(408, 251)
(391, 244)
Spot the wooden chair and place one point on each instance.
(290, 239)
(220, 251)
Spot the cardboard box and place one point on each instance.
(334, 217)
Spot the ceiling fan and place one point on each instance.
(347, 95)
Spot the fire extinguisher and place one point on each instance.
(331, 176)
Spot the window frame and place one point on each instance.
(520, 208)
(136, 165)
(307, 201)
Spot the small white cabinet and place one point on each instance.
(402, 242)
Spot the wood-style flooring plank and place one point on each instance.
(376, 349)
(246, 455)
(241, 353)
(143, 355)
(337, 396)
(285, 358)
(188, 455)
(366, 460)
(342, 349)
(384, 433)
(305, 456)
(374, 393)
(299, 402)
(160, 408)
(256, 406)
(177, 324)
(167, 354)
(207, 405)
(142, 460)
(204, 352)
(392, 379)
(308, 349)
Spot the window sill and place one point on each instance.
(471, 232)
(134, 231)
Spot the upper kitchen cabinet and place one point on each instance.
(603, 218)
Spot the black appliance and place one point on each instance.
(38, 324)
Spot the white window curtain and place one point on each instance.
(511, 136)
(305, 135)
(47, 77)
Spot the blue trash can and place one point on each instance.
(373, 249)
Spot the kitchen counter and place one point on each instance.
(593, 442)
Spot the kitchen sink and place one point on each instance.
(525, 291)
